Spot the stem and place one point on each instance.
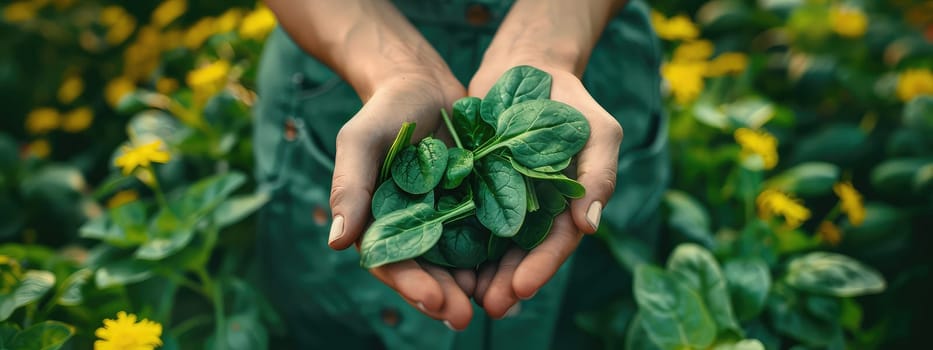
(483, 151)
(402, 139)
(531, 195)
(30, 314)
(157, 188)
(461, 210)
(450, 127)
(191, 324)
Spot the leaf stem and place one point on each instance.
(402, 139)
(191, 323)
(157, 188)
(450, 127)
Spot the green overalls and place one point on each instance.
(329, 301)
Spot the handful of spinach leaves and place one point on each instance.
(501, 185)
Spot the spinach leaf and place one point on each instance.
(463, 245)
(405, 234)
(673, 315)
(553, 168)
(497, 247)
(539, 133)
(534, 230)
(500, 196)
(697, 269)
(459, 165)
(468, 124)
(565, 185)
(402, 139)
(419, 169)
(389, 197)
(435, 256)
(549, 197)
(516, 85)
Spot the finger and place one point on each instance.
(597, 164)
(483, 279)
(466, 279)
(457, 310)
(544, 260)
(500, 296)
(413, 283)
(356, 168)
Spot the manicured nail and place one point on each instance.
(421, 307)
(336, 229)
(513, 311)
(593, 213)
(447, 323)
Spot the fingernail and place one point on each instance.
(336, 229)
(421, 307)
(447, 323)
(513, 311)
(530, 296)
(593, 213)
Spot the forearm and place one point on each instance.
(556, 33)
(364, 41)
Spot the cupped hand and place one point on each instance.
(361, 147)
(519, 275)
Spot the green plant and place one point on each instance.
(433, 207)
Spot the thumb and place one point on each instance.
(356, 167)
(597, 166)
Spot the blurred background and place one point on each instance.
(801, 149)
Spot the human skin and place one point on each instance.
(358, 39)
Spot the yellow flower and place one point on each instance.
(120, 24)
(125, 333)
(168, 11)
(829, 233)
(257, 24)
(166, 85)
(172, 39)
(40, 148)
(78, 120)
(852, 203)
(847, 21)
(698, 50)
(70, 89)
(42, 120)
(685, 79)
(20, 11)
(142, 156)
(199, 32)
(727, 63)
(913, 83)
(679, 27)
(758, 143)
(142, 56)
(122, 197)
(228, 21)
(773, 202)
(118, 88)
(208, 80)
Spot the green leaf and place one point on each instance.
(71, 288)
(169, 236)
(516, 85)
(627, 249)
(695, 267)
(500, 196)
(33, 285)
(389, 197)
(567, 186)
(497, 247)
(790, 318)
(825, 145)
(123, 226)
(405, 234)
(538, 224)
(896, 176)
(637, 337)
(48, 335)
(539, 133)
(419, 169)
(747, 344)
(554, 168)
(468, 124)
(123, 272)
(749, 283)
(8, 331)
(206, 195)
(238, 208)
(459, 165)
(688, 217)
(918, 113)
(833, 274)
(402, 140)
(671, 313)
(463, 245)
(240, 331)
(807, 179)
